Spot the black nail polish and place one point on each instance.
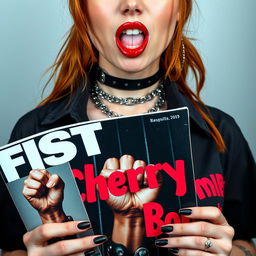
(100, 239)
(89, 253)
(84, 225)
(173, 250)
(167, 229)
(185, 211)
(161, 242)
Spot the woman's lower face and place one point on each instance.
(131, 35)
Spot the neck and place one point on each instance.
(129, 70)
(122, 86)
(126, 93)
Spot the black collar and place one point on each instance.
(75, 105)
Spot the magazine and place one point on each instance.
(134, 167)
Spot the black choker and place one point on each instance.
(126, 84)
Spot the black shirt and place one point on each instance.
(235, 169)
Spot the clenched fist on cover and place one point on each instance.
(129, 228)
(45, 193)
(130, 203)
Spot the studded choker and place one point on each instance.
(126, 84)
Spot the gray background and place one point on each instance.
(32, 32)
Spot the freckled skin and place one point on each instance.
(105, 16)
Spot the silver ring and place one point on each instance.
(208, 244)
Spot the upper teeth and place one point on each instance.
(132, 32)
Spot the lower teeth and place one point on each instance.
(132, 46)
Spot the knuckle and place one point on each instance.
(110, 161)
(61, 247)
(24, 191)
(59, 180)
(216, 212)
(26, 238)
(68, 227)
(227, 247)
(199, 243)
(181, 228)
(127, 157)
(43, 231)
(203, 227)
(230, 231)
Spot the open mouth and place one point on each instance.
(132, 38)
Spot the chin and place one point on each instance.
(137, 64)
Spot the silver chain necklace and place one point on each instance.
(129, 101)
(98, 94)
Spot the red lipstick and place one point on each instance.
(124, 34)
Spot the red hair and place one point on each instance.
(77, 56)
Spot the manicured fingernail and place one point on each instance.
(161, 242)
(185, 211)
(89, 253)
(167, 229)
(84, 225)
(173, 250)
(100, 239)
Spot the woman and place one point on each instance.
(133, 40)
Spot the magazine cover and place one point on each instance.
(126, 168)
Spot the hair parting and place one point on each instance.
(78, 54)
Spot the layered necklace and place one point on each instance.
(98, 95)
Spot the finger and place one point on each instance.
(48, 231)
(33, 184)
(140, 176)
(28, 192)
(54, 181)
(72, 246)
(139, 163)
(212, 214)
(40, 175)
(111, 164)
(126, 162)
(199, 228)
(191, 242)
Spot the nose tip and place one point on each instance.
(131, 7)
(132, 11)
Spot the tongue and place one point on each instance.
(132, 40)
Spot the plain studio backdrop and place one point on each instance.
(33, 31)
